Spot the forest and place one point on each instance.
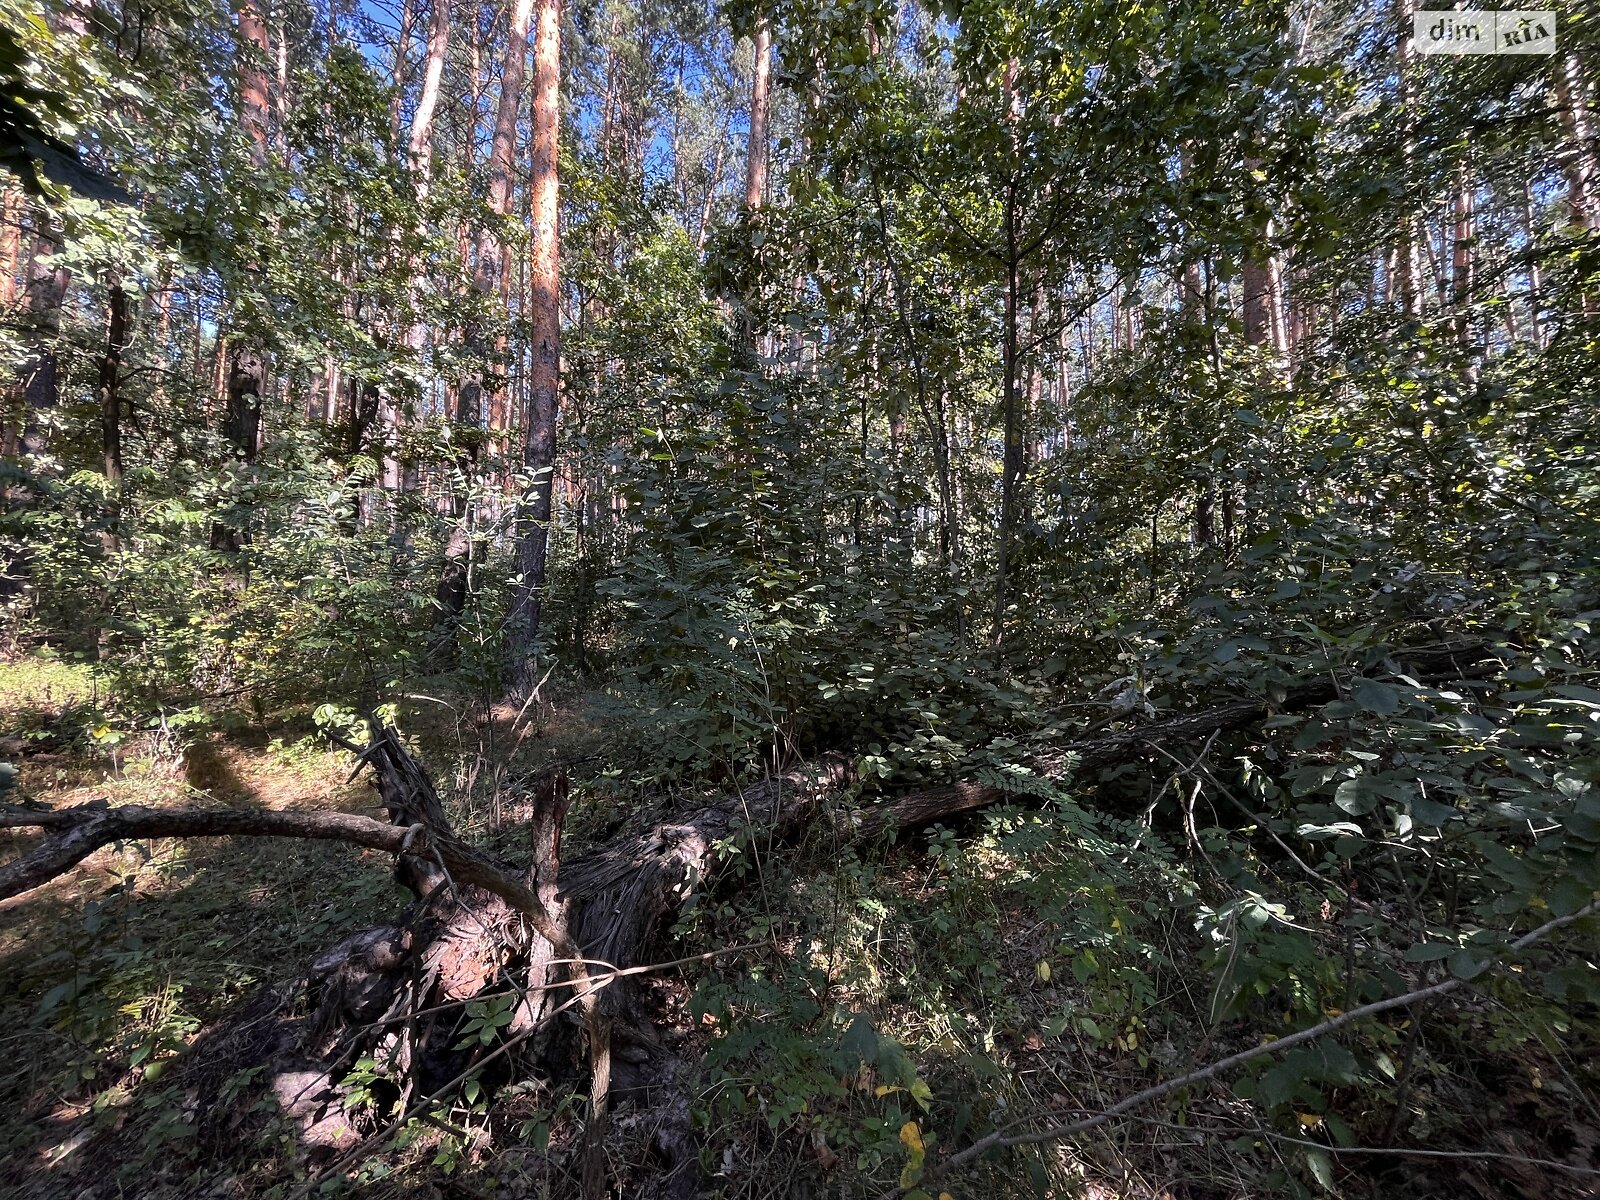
(799, 598)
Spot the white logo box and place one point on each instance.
(1452, 31)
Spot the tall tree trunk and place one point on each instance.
(1408, 253)
(544, 319)
(1012, 465)
(755, 175)
(247, 367)
(419, 156)
(254, 100)
(110, 388)
(503, 145)
(1578, 161)
(1189, 288)
(712, 188)
(1277, 302)
(1034, 418)
(12, 207)
(1535, 281)
(402, 50)
(755, 165)
(420, 146)
(486, 272)
(1462, 265)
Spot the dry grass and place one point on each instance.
(155, 940)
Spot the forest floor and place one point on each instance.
(1004, 968)
(107, 973)
(111, 971)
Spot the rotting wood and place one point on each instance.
(477, 917)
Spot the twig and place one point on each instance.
(376, 1141)
(599, 981)
(1392, 1151)
(999, 1140)
(1260, 820)
(1404, 1152)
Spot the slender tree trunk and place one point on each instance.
(1578, 162)
(486, 273)
(1189, 293)
(12, 207)
(419, 154)
(1277, 302)
(712, 188)
(544, 318)
(755, 172)
(755, 176)
(1012, 465)
(1535, 281)
(1034, 417)
(1409, 261)
(402, 50)
(247, 367)
(1435, 253)
(420, 146)
(280, 93)
(110, 388)
(1462, 265)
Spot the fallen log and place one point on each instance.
(1082, 756)
(480, 924)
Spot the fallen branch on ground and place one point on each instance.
(481, 917)
(1087, 754)
(1000, 1140)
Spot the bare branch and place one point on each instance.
(89, 827)
(999, 1140)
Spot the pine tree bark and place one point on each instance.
(11, 211)
(544, 316)
(420, 145)
(755, 176)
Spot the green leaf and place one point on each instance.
(860, 1043)
(1567, 895)
(1355, 797)
(1429, 952)
(1375, 697)
(1321, 1167)
(1430, 812)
